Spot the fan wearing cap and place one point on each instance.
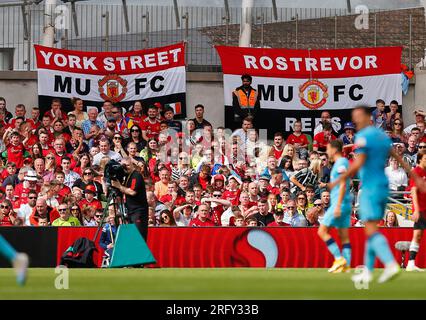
(278, 219)
(349, 134)
(218, 182)
(89, 198)
(29, 183)
(110, 127)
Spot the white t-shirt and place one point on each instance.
(396, 178)
(183, 221)
(111, 154)
(24, 212)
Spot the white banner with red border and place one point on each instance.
(288, 79)
(151, 75)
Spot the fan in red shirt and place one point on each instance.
(55, 112)
(323, 138)
(218, 206)
(201, 219)
(277, 148)
(7, 215)
(42, 210)
(63, 190)
(135, 116)
(172, 199)
(30, 183)
(233, 192)
(59, 146)
(45, 143)
(89, 198)
(15, 150)
(151, 125)
(297, 138)
(35, 118)
(203, 178)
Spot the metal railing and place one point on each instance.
(92, 27)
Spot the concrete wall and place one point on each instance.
(203, 88)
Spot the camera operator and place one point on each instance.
(135, 196)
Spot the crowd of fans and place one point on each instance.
(53, 166)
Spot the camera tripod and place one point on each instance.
(120, 211)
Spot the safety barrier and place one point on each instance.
(217, 247)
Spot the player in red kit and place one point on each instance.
(419, 210)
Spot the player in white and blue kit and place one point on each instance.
(373, 147)
(338, 215)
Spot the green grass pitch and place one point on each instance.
(181, 284)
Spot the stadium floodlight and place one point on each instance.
(176, 10)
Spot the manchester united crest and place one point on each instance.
(112, 87)
(313, 94)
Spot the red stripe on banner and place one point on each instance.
(221, 247)
(310, 64)
(67, 236)
(103, 63)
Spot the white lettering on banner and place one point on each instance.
(149, 60)
(311, 64)
(319, 94)
(309, 124)
(71, 61)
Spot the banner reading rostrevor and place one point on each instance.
(152, 75)
(299, 84)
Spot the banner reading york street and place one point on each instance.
(152, 75)
(300, 84)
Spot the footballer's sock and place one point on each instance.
(347, 252)
(6, 250)
(333, 248)
(369, 255)
(414, 248)
(381, 248)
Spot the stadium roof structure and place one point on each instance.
(392, 30)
